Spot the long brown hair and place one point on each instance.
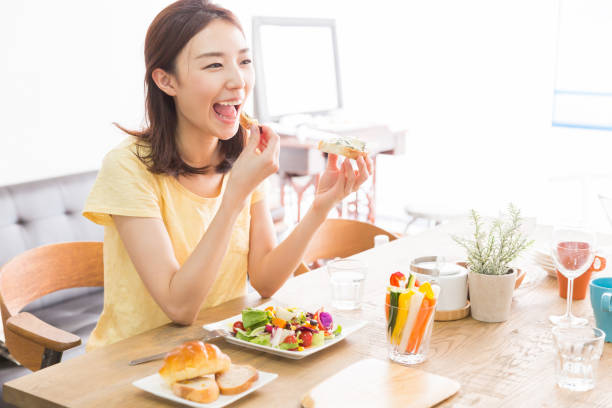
(171, 29)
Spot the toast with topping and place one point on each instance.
(246, 121)
(351, 148)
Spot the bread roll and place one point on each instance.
(200, 389)
(193, 359)
(237, 379)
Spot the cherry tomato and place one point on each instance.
(239, 325)
(306, 337)
(291, 339)
(397, 278)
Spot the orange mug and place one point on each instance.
(581, 283)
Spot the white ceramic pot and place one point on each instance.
(491, 296)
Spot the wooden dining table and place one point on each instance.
(509, 364)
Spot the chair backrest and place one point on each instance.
(47, 269)
(341, 238)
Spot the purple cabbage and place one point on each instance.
(269, 328)
(306, 328)
(326, 320)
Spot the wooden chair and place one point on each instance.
(340, 238)
(33, 274)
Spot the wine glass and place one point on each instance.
(573, 250)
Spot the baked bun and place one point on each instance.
(199, 389)
(246, 121)
(237, 379)
(351, 148)
(193, 359)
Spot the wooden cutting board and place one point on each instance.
(376, 383)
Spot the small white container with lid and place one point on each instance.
(451, 277)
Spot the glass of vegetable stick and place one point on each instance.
(409, 310)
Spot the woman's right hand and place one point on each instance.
(258, 161)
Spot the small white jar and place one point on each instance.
(451, 277)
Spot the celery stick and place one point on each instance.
(415, 304)
(392, 311)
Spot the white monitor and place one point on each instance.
(296, 67)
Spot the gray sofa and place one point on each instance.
(45, 212)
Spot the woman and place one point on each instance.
(183, 201)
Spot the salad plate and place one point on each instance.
(340, 328)
(155, 385)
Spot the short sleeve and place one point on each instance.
(124, 186)
(260, 192)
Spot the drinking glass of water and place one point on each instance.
(347, 279)
(578, 352)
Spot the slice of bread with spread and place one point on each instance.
(237, 379)
(199, 389)
(351, 148)
(246, 121)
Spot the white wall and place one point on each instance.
(72, 68)
(470, 81)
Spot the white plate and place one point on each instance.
(546, 265)
(157, 386)
(543, 256)
(349, 326)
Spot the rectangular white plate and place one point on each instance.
(349, 326)
(157, 386)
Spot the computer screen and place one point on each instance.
(296, 67)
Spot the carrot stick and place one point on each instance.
(387, 303)
(424, 328)
(420, 324)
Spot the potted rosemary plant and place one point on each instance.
(490, 278)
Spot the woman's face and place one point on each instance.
(214, 78)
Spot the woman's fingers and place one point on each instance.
(349, 173)
(332, 161)
(272, 142)
(272, 149)
(254, 139)
(369, 164)
(264, 138)
(362, 174)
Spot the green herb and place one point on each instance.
(490, 252)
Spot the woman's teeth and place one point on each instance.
(237, 102)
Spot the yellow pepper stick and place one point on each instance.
(427, 290)
(403, 305)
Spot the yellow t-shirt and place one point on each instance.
(124, 186)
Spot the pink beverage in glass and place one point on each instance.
(573, 253)
(573, 257)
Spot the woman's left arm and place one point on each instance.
(270, 265)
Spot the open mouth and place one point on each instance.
(227, 112)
